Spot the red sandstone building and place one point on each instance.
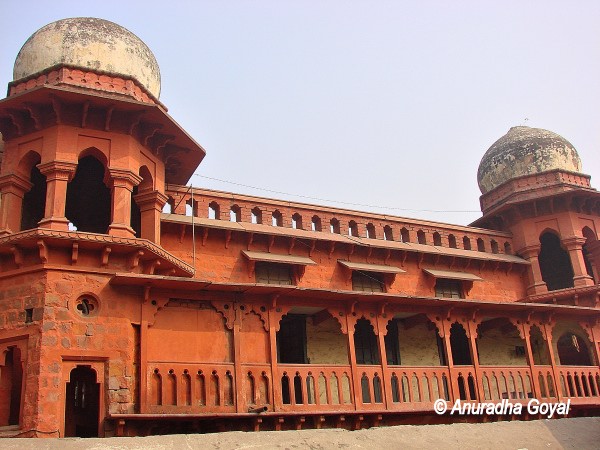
(132, 304)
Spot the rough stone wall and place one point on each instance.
(107, 336)
(325, 343)
(498, 349)
(418, 346)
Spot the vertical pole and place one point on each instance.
(557, 385)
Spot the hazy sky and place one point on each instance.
(388, 104)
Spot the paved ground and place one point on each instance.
(579, 433)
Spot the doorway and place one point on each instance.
(82, 403)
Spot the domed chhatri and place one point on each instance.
(525, 151)
(89, 43)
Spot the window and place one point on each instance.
(277, 219)
(334, 226)
(494, 245)
(421, 237)
(437, 239)
(273, 273)
(297, 222)
(316, 223)
(405, 235)
(388, 235)
(367, 282)
(452, 241)
(371, 231)
(235, 213)
(214, 211)
(507, 248)
(480, 245)
(256, 215)
(445, 288)
(466, 243)
(352, 229)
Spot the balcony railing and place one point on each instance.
(180, 388)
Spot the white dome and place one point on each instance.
(89, 43)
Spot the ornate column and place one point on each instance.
(574, 245)
(557, 385)
(122, 182)
(356, 378)
(535, 382)
(58, 174)
(12, 189)
(386, 383)
(150, 204)
(536, 283)
(472, 331)
(453, 389)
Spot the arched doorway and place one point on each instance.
(459, 343)
(11, 383)
(555, 263)
(82, 403)
(34, 201)
(88, 199)
(573, 350)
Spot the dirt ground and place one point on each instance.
(578, 433)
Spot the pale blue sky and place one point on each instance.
(378, 103)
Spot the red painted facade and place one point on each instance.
(227, 311)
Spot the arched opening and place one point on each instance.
(256, 215)
(494, 245)
(452, 241)
(352, 229)
(277, 218)
(136, 214)
(235, 213)
(507, 248)
(169, 207)
(437, 239)
(297, 221)
(214, 211)
(421, 239)
(371, 231)
(34, 201)
(480, 245)
(539, 347)
(11, 383)
(388, 234)
(88, 205)
(334, 226)
(589, 265)
(191, 208)
(573, 350)
(82, 403)
(405, 235)
(466, 243)
(459, 344)
(500, 344)
(555, 263)
(365, 343)
(316, 223)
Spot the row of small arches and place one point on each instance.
(334, 226)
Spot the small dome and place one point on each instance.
(89, 43)
(525, 151)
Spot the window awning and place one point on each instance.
(365, 267)
(278, 258)
(451, 275)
